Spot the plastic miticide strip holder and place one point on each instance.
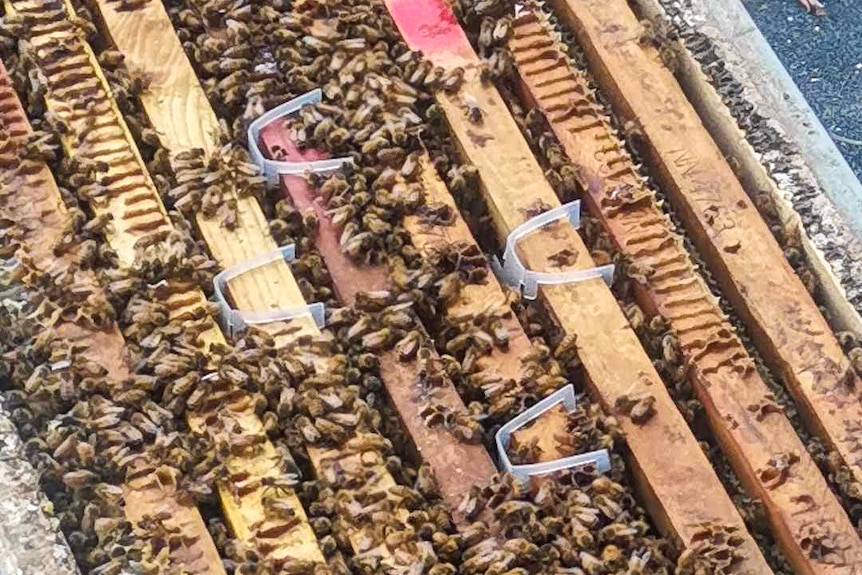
(234, 321)
(565, 397)
(272, 169)
(512, 272)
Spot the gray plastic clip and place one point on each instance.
(565, 396)
(234, 321)
(512, 272)
(272, 169)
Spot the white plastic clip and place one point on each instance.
(272, 169)
(234, 321)
(565, 396)
(512, 272)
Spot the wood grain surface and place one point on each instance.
(728, 25)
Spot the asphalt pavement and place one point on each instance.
(823, 54)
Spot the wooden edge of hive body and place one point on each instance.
(43, 204)
(270, 287)
(733, 394)
(683, 492)
(242, 515)
(751, 171)
(790, 332)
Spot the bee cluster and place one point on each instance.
(360, 122)
(312, 397)
(578, 521)
(89, 431)
(84, 443)
(211, 186)
(374, 113)
(82, 434)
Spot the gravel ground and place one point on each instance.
(824, 56)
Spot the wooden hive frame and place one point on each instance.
(754, 433)
(39, 207)
(514, 187)
(133, 198)
(457, 465)
(179, 111)
(723, 24)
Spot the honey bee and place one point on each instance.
(280, 508)
(41, 147)
(777, 469)
(408, 346)
(472, 109)
(639, 408)
(79, 479)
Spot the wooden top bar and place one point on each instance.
(133, 196)
(39, 209)
(457, 465)
(177, 107)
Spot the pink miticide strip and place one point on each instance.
(429, 26)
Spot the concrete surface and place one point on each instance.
(30, 540)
